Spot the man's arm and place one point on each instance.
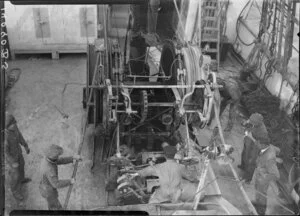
(271, 166)
(148, 171)
(277, 150)
(8, 157)
(21, 139)
(56, 183)
(64, 160)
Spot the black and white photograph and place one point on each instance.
(149, 107)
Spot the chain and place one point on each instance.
(272, 46)
(144, 109)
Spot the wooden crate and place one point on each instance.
(54, 53)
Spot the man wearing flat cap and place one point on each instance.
(170, 176)
(256, 132)
(50, 182)
(13, 155)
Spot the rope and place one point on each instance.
(180, 21)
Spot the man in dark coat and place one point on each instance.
(13, 155)
(50, 182)
(256, 132)
(266, 171)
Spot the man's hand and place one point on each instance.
(279, 160)
(27, 150)
(77, 158)
(244, 122)
(72, 180)
(249, 134)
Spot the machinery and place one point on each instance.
(135, 105)
(139, 103)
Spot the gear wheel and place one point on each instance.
(144, 107)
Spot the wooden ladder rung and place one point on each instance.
(211, 28)
(212, 50)
(210, 7)
(210, 18)
(209, 40)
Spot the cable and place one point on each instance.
(237, 21)
(71, 83)
(180, 21)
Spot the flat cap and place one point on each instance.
(256, 119)
(53, 151)
(164, 144)
(170, 151)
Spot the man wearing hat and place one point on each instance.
(256, 131)
(170, 176)
(14, 157)
(266, 171)
(50, 182)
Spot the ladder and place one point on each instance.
(210, 32)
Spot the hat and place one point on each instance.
(164, 144)
(256, 119)
(9, 120)
(53, 151)
(170, 151)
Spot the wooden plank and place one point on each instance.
(32, 51)
(212, 51)
(210, 7)
(209, 40)
(54, 53)
(210, 18)
(211, 28)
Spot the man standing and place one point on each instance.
(266, 171)
(50, 182)
(256, 131)
(14, 157)
(170, 176)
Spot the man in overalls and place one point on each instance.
(50, 182)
